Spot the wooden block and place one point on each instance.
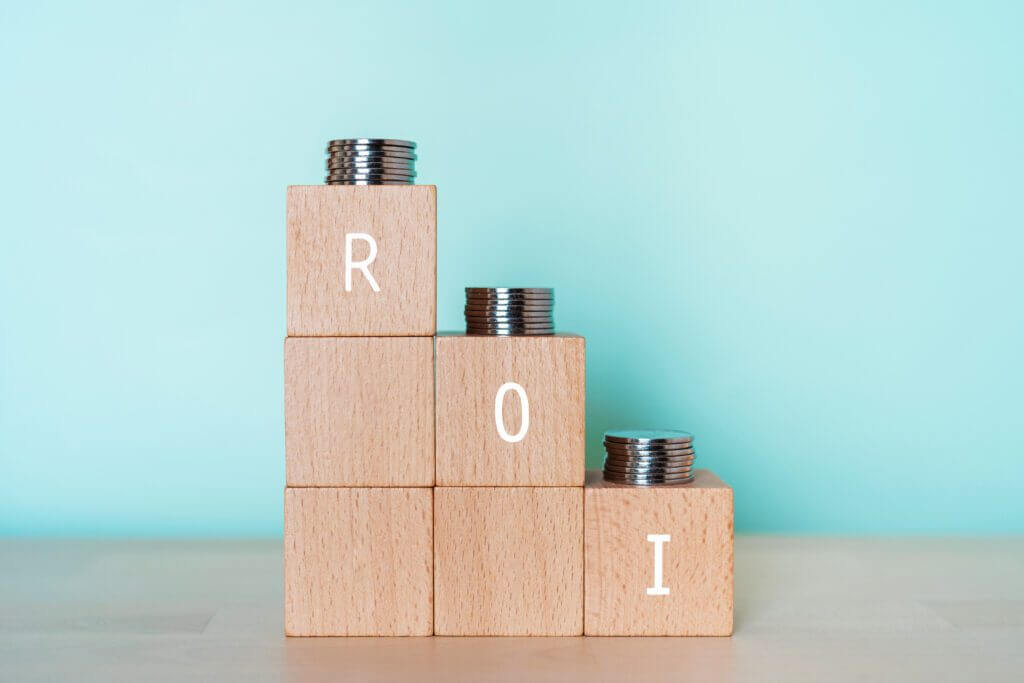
(358, 562)
(625, 525)
(508, 561)
(332, 231)
(359, 411)
(473, 372)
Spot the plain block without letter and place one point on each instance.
(358, 562)
(511, 410)
(362, 260)
(508, 561)
(659, 559)
(359, 411)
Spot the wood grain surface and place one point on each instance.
(470, 371)
(508, 561)
(403, 222)
(697, 561)
(359, 411)
(808, 609)
(358, 562)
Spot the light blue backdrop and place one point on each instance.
(792, 228)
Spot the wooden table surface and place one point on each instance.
(807, 609)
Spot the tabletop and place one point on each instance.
(807, 609)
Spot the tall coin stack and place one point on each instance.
(648, 457)
(371, 161)
(510, 310)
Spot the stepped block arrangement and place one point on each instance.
(510, 410)
(435, 484)
(659, 559)
(508, 561)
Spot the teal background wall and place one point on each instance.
(793, 228)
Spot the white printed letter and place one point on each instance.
(658, 540)
(351, 237)
(499, 420)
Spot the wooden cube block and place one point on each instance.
(511, 410)
(508, 561)
(358, 562)
(659, 559)
(362, 260)
(359, 411)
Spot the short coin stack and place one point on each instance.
(371, 161)
(648, 457)
(510, 310)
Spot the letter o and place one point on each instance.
(499, 420)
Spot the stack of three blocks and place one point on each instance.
(435, 484)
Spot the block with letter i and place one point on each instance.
(659, 559)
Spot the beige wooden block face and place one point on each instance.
(471, 374)
(508, 561)
(326, 223)
(693, 524)
(359, 411)
(358, 562)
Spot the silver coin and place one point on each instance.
(331, 146)
(511, 304)
(487, 329)
(548, 291)
(372, 176)
(369, 182)
(515, 300)
(646, 453)
(635, 467)
(648, 436)
(649, 475)
(648, 482)
(371, 163)
(373, 141)
(676, 473)
(478, 329)
(368, 154)
(390, 174)
(502, 326)
(499, 322)
(509, 333)
(479, 310)
(653, 467)
(673, 472)
(371, 144)
(508, 310)
(612, 458)
(491, 322)
(518, 315)
(394, 153)
(643, 465)
(510, 295)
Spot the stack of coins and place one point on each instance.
(509, 310)
(371, 161)
(648, 457)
